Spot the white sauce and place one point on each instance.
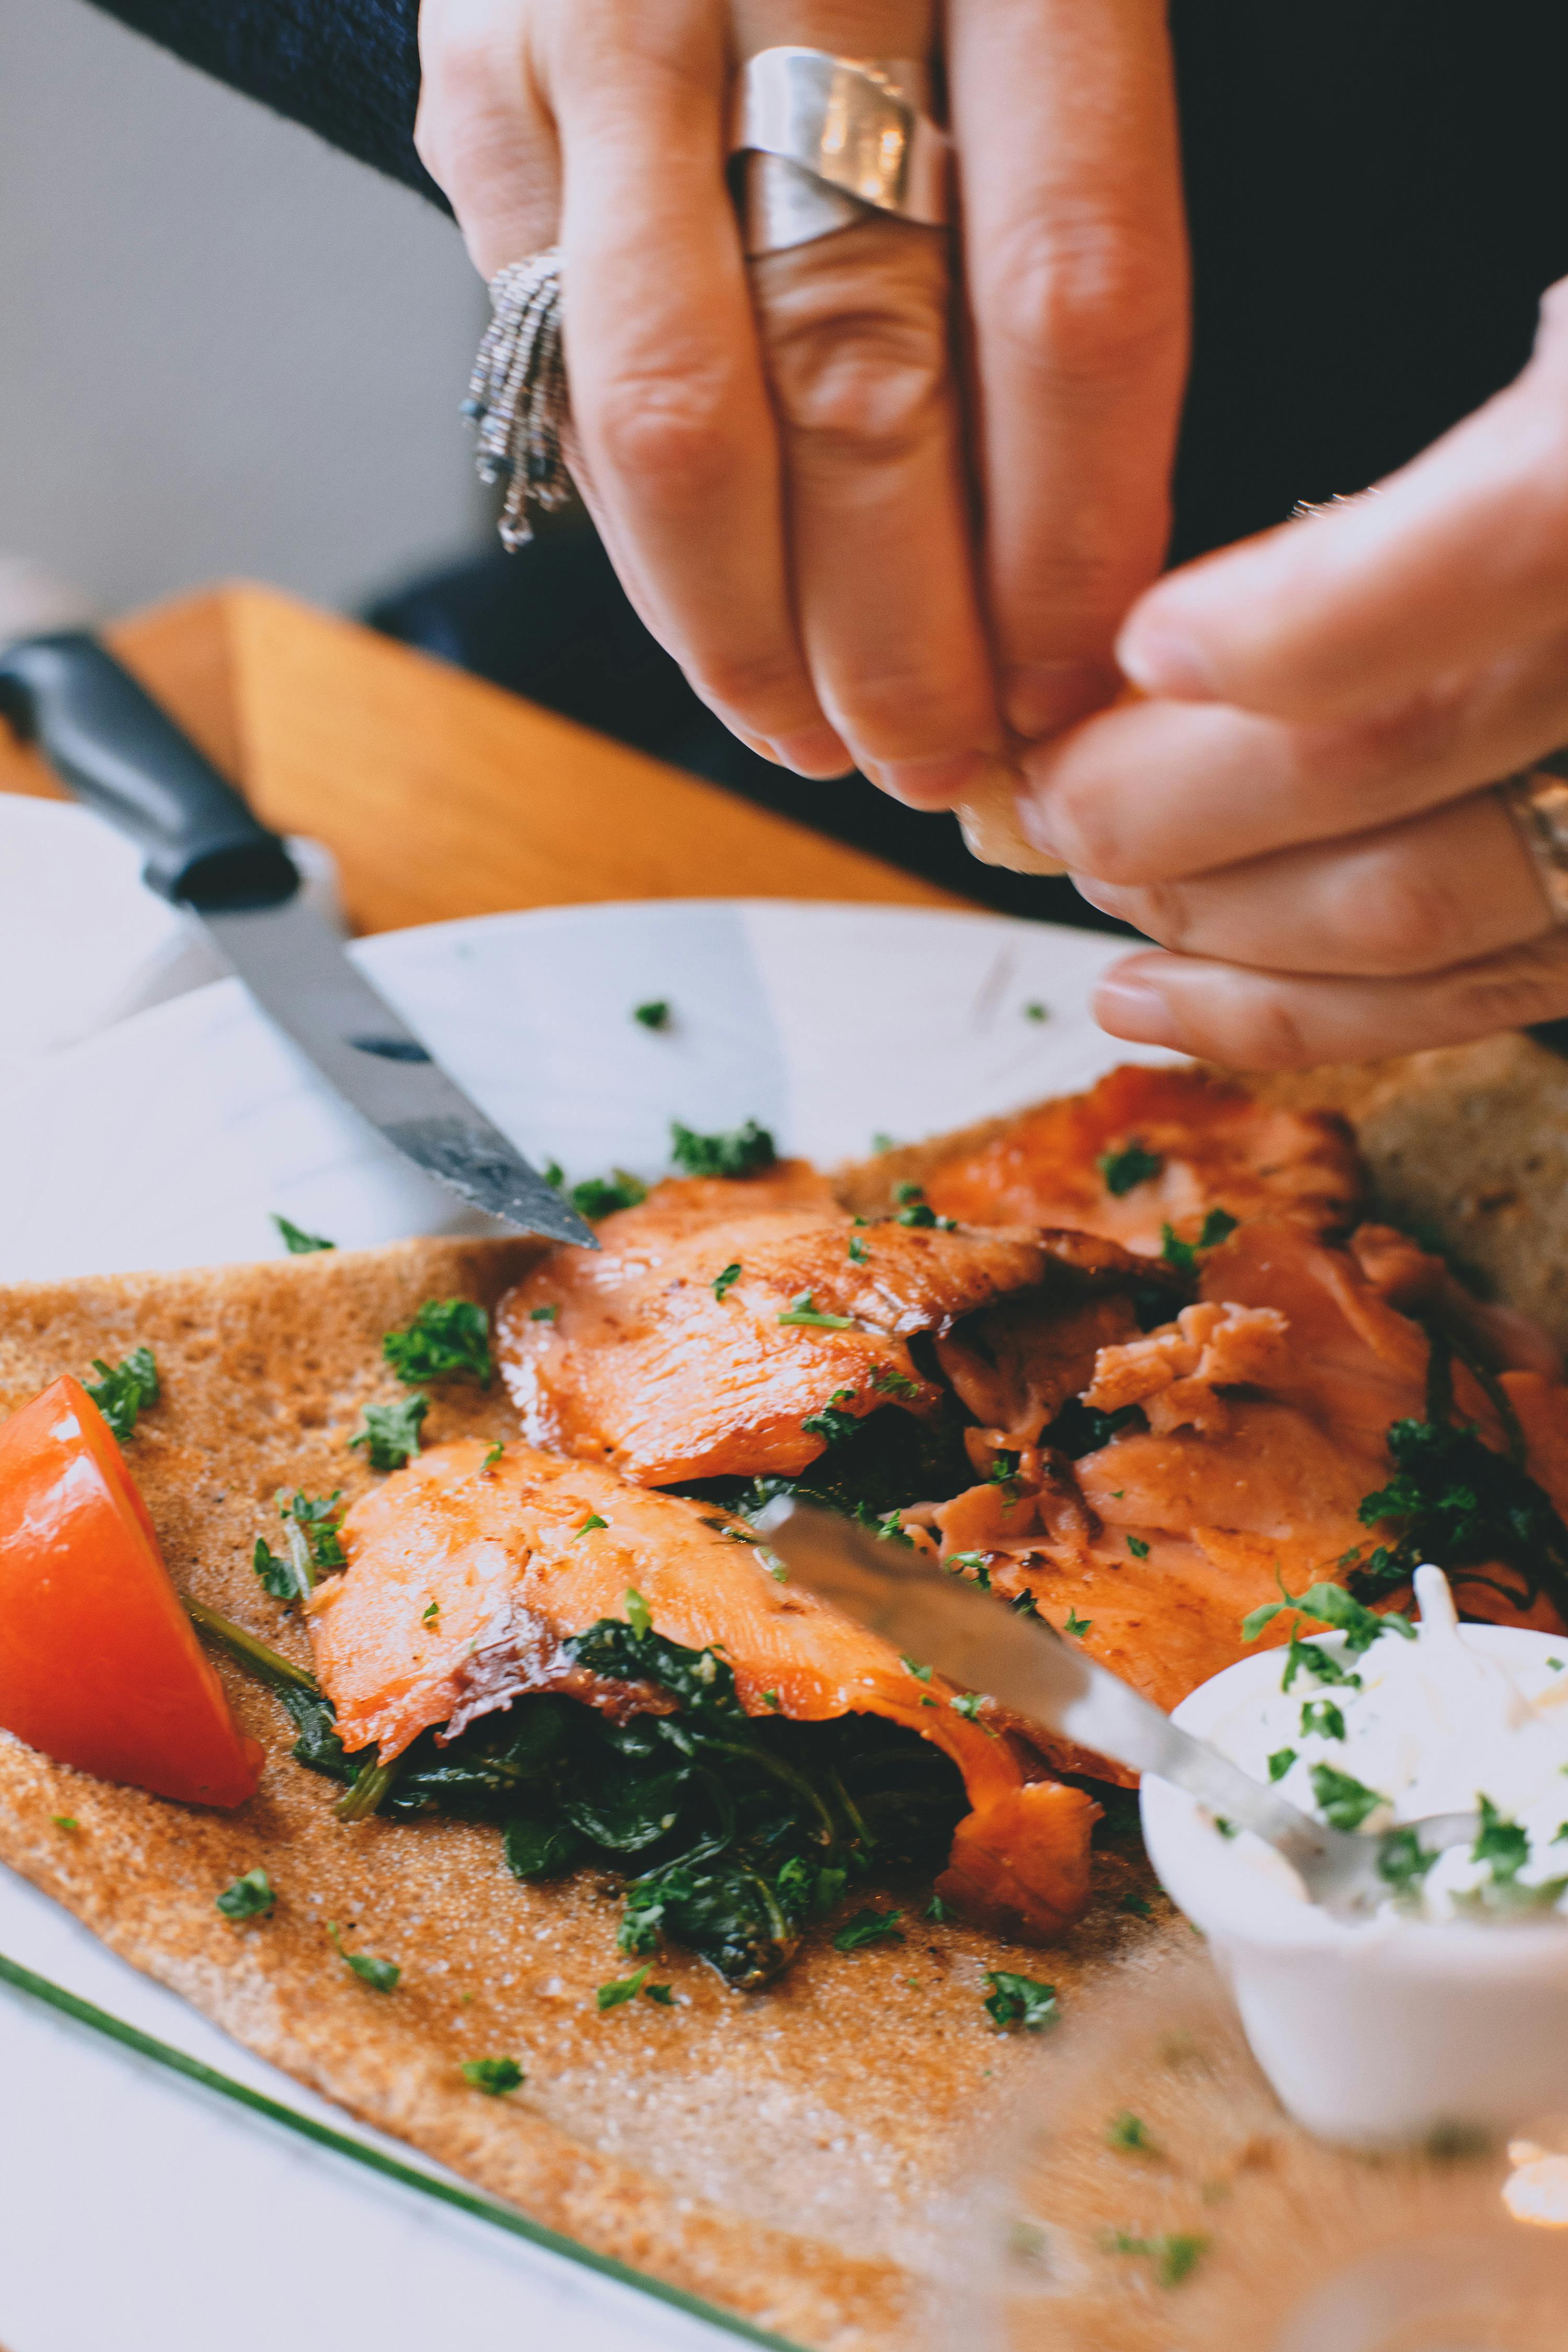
(1435, 1725)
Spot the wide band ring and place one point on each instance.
(826, 142)
(1538, 803)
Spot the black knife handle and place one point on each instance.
(114, 749)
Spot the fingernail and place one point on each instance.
(815, 751)
(1034, 824)
(1042, 697)
(1163, 660)
(1130, 1005)
(932, 783)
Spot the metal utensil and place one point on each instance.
(928, 1613)
(114, 749)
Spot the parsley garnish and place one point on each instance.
(382, 1975)
(882, 1142)
(727, 1278)
(1279, 1763)
(770, 1698)
(1307, 1657)
(921, 1673)
(655, 1014)
(1123, 1170)
(65, 1820)
(637, 1616)
(494, 2076)
(311, 1525)
(1076, 1624)
(888, 1382)
(1024, 1605)
(589, 1524)
(1139, 1904)
(428, 1615)
(1330, 1604)
(250, 1897)
(803, 1309)
(621, 1988)
(1403, 1862)
(295, 1240)
(858, 1253)
(449, 1340)
(491, 1458)
(1501, 1841)
(1324, 1717)
(130, 1389)
(868, 1927)
(1173, 2254)
(278, 1577)
(663, 1993)
(543, 1314)
(1130, 2132)
(391, 1432)
(1183, 1256)
(831, 1424)
(1036, 1011)
(1020, 2001)
(968, 1704)
(1137, 1547)
(1343, 1801)
(738, 1151)
(907, 1191)
(601, 1196)
(938, 1910)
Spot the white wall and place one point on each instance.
(224, 347)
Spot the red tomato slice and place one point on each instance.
(99, 1666)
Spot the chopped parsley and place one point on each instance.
(882, 1142)
(601, 1196)
(663, 1993)
(803, 1310)
(250, 1897)
(737, 1151)
(1137, 1547)
(428, 1615)
(1130, 2132)
(868, 1927)
(381, 1975)
(278, 1577)
(726, 1279)
(770, 1698)
(1183, 1256)
(449, 1340)
(295, 1240)
(1308, 1657)
(590, 1524)
(310, 1524)
(65, 1820)
(1020, 2001)
(494, 2076)
(543, 1314)
(1343, 1801)
(637, 1616)
(858, 1253)
(888, 1382)
(921, 1673)
(832, 1424)
(1139, 1904)
(968, 1704)
(1036, 1011)
(1175, 2252)
(1279, 1763)
(491, 1458)
(391, 1432)
(1024, 1605)
(1323, 1718)
(622, 1989)
(1076, 1624)
(1330, 1604)
(124, 1392)
(1125, 1169)
(655, 1014)
(937, 1910)
(1501, 1842)
(1403, 1862)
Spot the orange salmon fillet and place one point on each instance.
(514, 1568)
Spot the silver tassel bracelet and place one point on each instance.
(517, 394)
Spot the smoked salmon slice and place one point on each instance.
(1148, 1148)
(690, 1346)
(466, 1585)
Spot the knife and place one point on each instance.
(114, 749)
(931, 1614)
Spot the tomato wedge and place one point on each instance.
(99, 1666)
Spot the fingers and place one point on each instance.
(1457, 557)
(1075, 259)
(483, 131)
(1259, 1021)
(1412, 898)
(856, 331)
(1156, 789)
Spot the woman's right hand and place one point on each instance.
(775, 455)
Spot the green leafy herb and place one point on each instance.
(427, 1616)
(449, 1340)
(543, 1314)
(858, 1253)
(295, 1240)
(1311, 1658)
(1344, 1802)
(937, 1910)
(1403, 1861)
(1321, 1716)
(968, 1702)
(1183, 1256)
(381, 1975)
(770, 1698)
(1123, 1170)
(727, 1279)
(622, 1989)
(65, 1820)
(553, 1174)
(312, 1524)
(961, 1563)
(1330, 1604)
(494, 2076)
(391, 1432)
(663, 1993)
(491, 1457)
(1138, 1547)
(1036, 1011)
(1024, 1605)
(1225, 1828)
(1457, 1503)
(654, 1014)
(832, 1424)
(1020, 2001)
(1139, 1904)
(637, 1616)
(868, 1927)
(921, 1673)
(278, 1577)
(1175, 2253)
(1499, 1842)
(601, 1196)
(1218, 1226)
(739, 1151)
(1130, 2132)
(890, 1383)
(129, 1389)
(882, 1142)
(250, 1897)
(803, 1310)
(590, 1525)
(1076, 1624)
(1279, 1763)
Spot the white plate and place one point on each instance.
(135, 2212)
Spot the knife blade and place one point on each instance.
(940, 1619)
(115, 751)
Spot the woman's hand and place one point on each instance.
(1302, 812)
(776, 456)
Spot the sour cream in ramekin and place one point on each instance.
(1449, 2005)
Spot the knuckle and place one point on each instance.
(767, 687)
(664, 431)
(861, 380)
(1393, 914)
(1268, 1034)
(1097, 301)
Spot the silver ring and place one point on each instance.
(828, 140)
(1538, 803)
(518, 394)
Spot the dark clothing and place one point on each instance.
(1376, 200)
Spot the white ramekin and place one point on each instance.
(1381, 2032)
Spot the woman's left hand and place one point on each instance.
(1302, 812)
